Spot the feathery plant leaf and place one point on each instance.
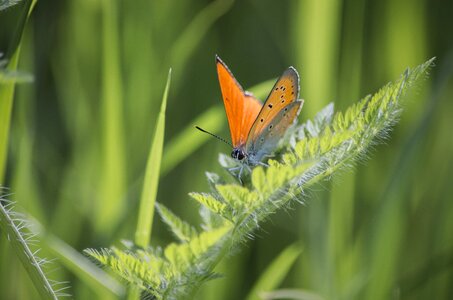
(100, 282)
(232, 212)
(182, 230)
(187, 42)
(5, 4)
(154, 270)
(16, 229)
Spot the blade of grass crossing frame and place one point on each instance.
(18, 241)
(190, 38)
(150, 183)
(112, 181)
(7, 91)
(342, 197)
(274, 274)
(6, 105)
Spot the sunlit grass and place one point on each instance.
(74, 144)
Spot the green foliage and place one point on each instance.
(16, 228)
(166, 273)
(113, 181)
(311, 153)
(149, 192)
(4, 4)
(8, 77)
(99, 281)
(274, 274)
(181, 229)
(294, 294)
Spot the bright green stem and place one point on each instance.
(6, 105)
(190, 38)
(7, 94)
(112, 183)
(150, 184)
(27, 257)
(272, 277)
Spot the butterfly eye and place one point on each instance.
(237, 154)
(241, 155)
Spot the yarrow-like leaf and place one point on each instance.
(234, 210)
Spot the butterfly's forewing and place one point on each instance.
(241, 108)
(268, 138)
(284, 92)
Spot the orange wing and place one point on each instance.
(241, 107)
(284, 92)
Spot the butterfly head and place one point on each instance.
(238, 154)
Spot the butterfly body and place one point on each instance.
(256, 128)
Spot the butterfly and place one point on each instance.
(256, 128)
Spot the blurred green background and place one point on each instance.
(81, 132)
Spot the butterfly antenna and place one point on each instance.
(216, 136)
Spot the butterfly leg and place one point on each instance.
(233, 172)
(263, 164)
(240, 174)
(234, 169)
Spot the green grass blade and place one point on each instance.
(6, 105)
(342, 196)
(14, 231)
(7, 89)
(291, 294)
(274, 274)
(112, 182)
(7, 4)
(317, 27)
(14, 76)
(187, 42)
(151, 181)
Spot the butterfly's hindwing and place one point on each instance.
(284, 92)
(267, 140)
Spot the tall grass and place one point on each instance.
(75, 154)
